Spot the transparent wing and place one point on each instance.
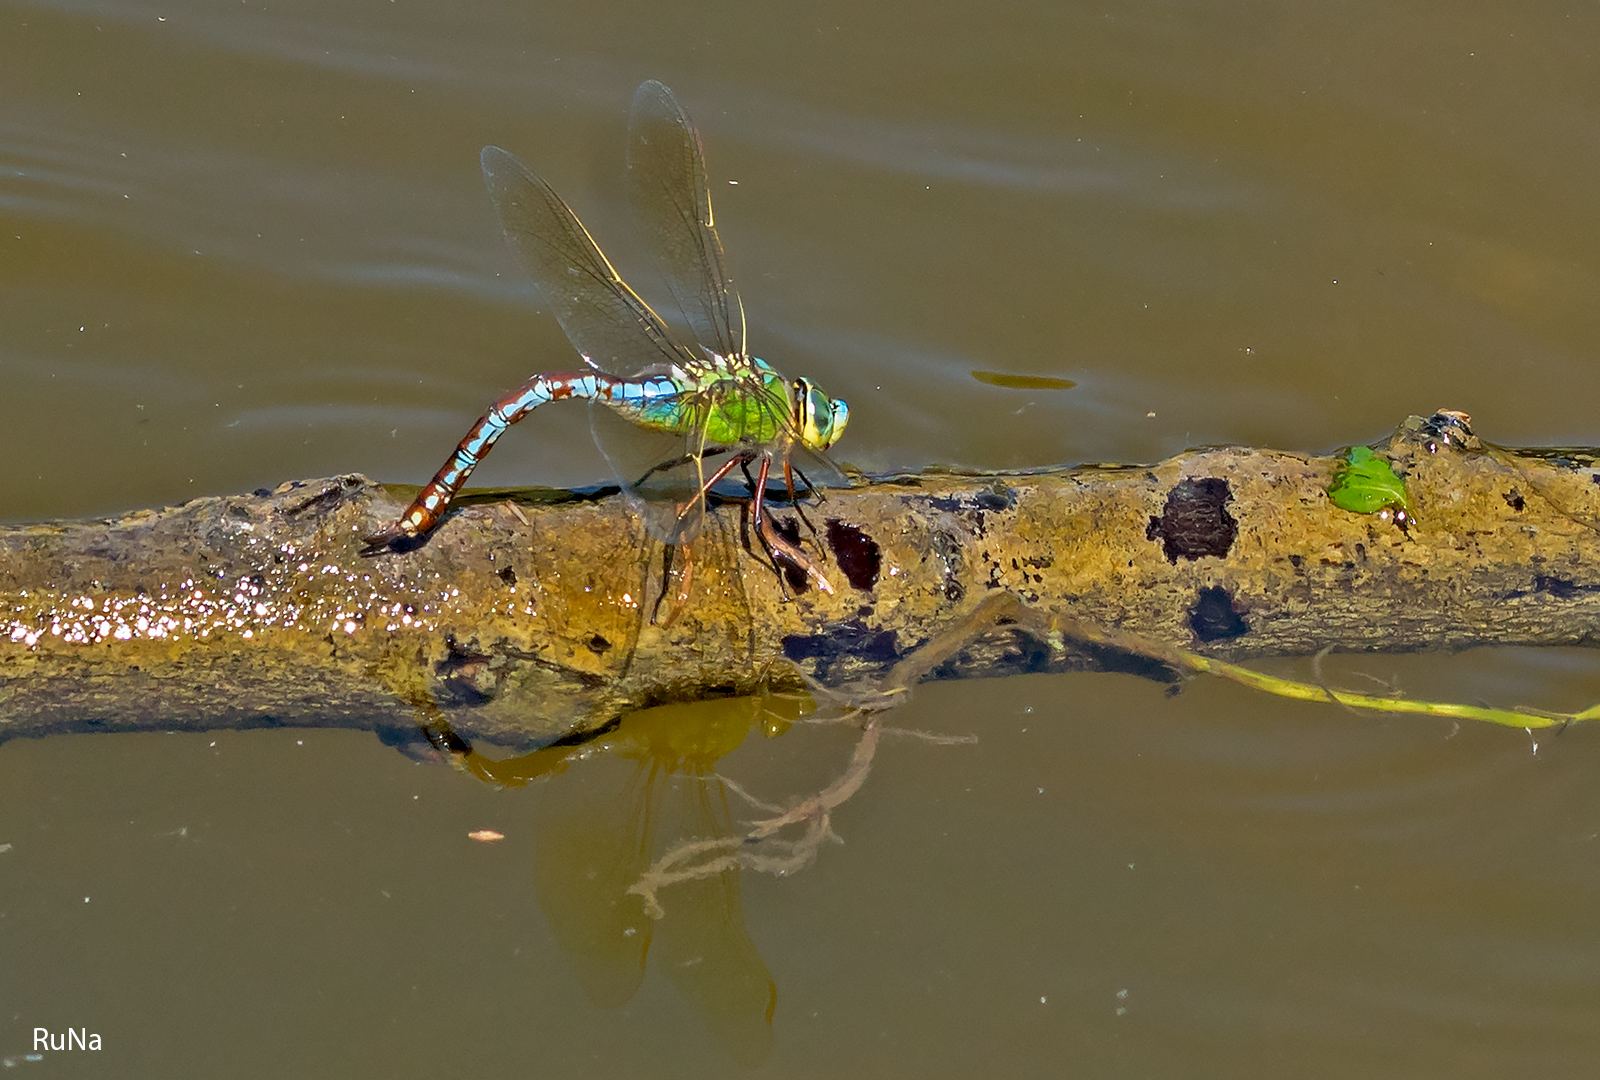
(705, 947)
(672, 201)
(661, 473)
(605, 320)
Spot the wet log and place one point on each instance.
(533, 615)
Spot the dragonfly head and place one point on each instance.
(822, 419)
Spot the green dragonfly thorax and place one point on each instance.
(742, 402)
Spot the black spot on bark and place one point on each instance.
(844, 641)
(599, 645)
(1561, 588)
(465, 678)
(1195, 521)
(972, 507)
(507, 575)
(856, 553)
(1515, 500)
(1213, 618)
(1001, 498)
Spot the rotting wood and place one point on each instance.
(527, 619)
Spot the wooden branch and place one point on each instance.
(532, 615)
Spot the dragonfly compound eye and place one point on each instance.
(821, 419)
(839, 416)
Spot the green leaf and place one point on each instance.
(1364, 483)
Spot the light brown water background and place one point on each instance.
(244, 243)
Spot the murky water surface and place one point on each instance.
(243, 244)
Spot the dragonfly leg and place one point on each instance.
(434, 499)
(790, 471)
(810, 488)
(750, 485)
(683, 459)
(686, 575)
(711, 482)
(685, 579)
(666, 575)
(775, 544)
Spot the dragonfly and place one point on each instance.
(724, 408)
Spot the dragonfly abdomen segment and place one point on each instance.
(650, 401)
(435, 497)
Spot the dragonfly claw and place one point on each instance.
(779, 547)
(393, 539)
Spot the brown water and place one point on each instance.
(246, 243)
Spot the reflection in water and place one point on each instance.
(599, 832)
(644, 784)
(647, 814)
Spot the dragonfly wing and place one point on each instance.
(672, 201)
(661, 473)
(594, 839)
(705, 947)
(812, 469)
(605, 320)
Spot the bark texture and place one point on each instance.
(535, 615)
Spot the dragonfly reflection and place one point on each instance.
(641, 786)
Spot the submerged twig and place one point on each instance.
(1519, 716)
